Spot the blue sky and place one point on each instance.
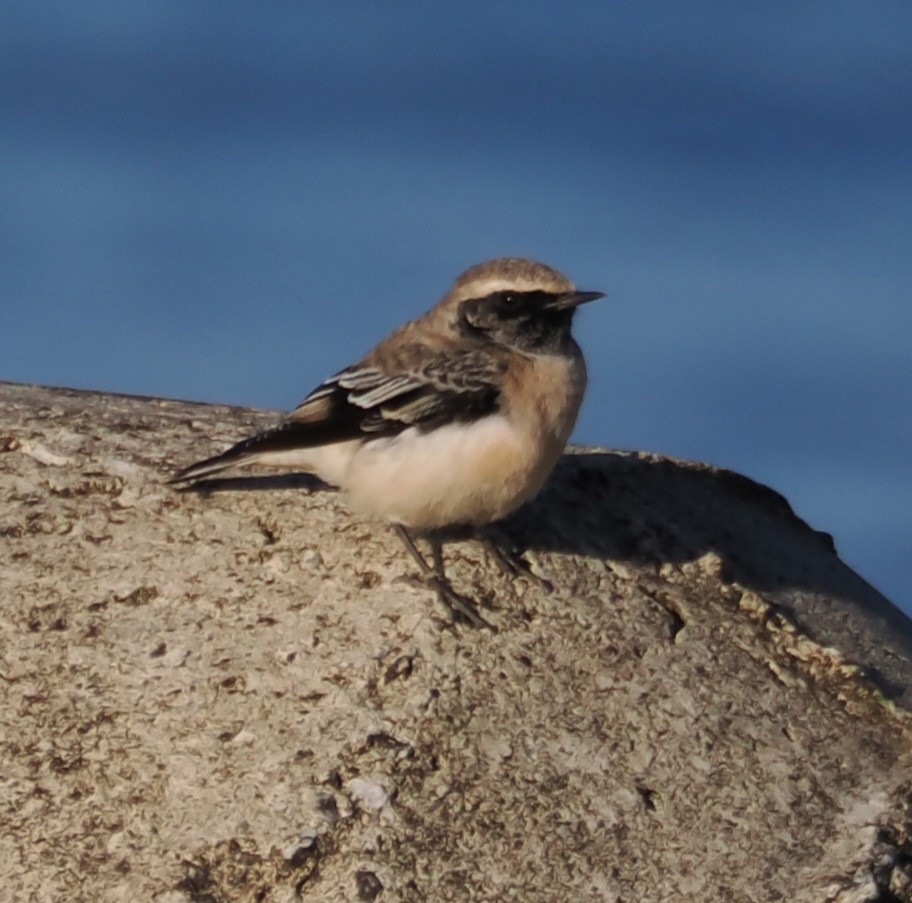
(228, 202)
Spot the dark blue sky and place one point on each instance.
(228, 202)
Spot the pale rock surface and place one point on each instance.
(245, 695)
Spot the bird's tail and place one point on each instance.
(210, 466)
(268, 447)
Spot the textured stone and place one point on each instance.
(246, 695)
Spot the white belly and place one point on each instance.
(458, 474)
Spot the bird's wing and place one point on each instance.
(371, 401)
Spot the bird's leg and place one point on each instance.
(508, 556)
(459, 607)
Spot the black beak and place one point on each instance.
(573, 299)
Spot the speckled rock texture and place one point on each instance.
(246, 694)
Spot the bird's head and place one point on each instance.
(517, 303)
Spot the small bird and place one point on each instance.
(454, 420)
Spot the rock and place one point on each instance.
(245, 694)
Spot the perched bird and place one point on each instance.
(454, 420)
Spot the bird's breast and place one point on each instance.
(544, 394)
(472, 472)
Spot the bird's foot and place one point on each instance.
(509, 558)
(460, 607)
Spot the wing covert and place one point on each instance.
(366, 401)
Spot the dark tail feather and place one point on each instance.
(286, 437)
(209, 466)
(244, 451)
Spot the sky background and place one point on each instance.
(228, 201)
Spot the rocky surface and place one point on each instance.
(245, 695)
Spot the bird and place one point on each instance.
(455, 420)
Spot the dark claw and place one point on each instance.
(508, 558)
(459, 607)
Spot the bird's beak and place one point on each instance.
(572, 300)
